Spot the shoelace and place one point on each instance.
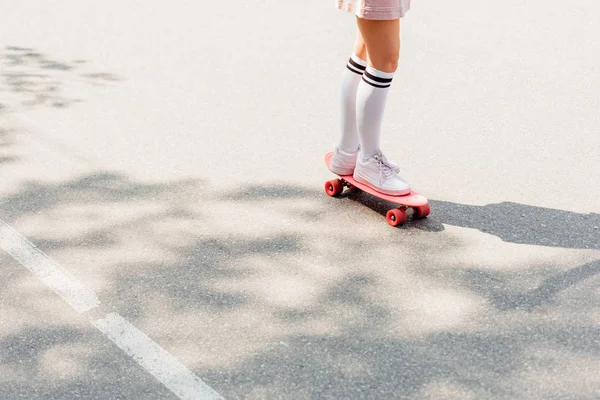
(386, 168)
(391, 164)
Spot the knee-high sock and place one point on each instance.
(371, 99)
(349, 140)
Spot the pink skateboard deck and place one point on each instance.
(395, 216)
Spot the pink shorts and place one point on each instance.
(375, 9)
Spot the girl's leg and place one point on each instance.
(382, 39)
(347, 96)
(345, 154)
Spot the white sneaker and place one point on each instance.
(382, 175)
(343, 163)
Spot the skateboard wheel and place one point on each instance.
(334, 187)
(421, 211)
(396, 217)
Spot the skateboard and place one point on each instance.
(394, 217)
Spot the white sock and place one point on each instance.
(349, 140)
(370, 106)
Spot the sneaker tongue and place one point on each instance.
(394, 167)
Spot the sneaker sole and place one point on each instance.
(341, 171)
(362, 180)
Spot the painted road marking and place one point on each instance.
(147, 353)
(154, 359)
(53, 275)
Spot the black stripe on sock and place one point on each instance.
(353, 70)
(377, 86)
(356, 65)
(378, 79)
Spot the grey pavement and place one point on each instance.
(169, 156)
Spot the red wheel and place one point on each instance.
(334, 187)
(421, 211)
(396, 217)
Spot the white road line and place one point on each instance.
(148, 354)
(154, 359)
(61, 281)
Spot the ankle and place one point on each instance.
(348, 150)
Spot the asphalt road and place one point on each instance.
(164, 232)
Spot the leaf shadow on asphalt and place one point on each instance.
(36, 79)
(30, 79)
(56, 362)
(162, 254)
(5, 144)
(498, 287)
(6, 139)
(50, 359)
(277, 291)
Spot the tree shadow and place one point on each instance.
(6, 139)
(36, 79)
(31, 355)
(191, 282)
(264, 192)
(94, 189)
(367, 358)
(87, 214)
(499, 288)
(160, 254)
(30, 79)
(343, 340)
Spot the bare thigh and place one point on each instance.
(382, 42)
